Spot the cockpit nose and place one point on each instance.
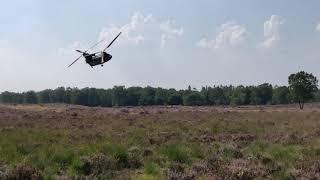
(109, 56)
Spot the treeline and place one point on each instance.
(263, 94)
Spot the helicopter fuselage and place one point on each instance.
(97, 58)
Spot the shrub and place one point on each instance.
(175, 153)
(98, 164)
(24, 171)
(151, 168)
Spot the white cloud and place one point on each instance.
(169, 31)
(318, 27)
(138, 28)
(272, 29)
(229, 34)
(131, 32)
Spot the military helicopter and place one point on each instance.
(98, 58)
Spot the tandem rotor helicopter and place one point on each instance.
(98, 58)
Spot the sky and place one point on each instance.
(167, 43)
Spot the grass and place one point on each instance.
(176, 153)
(155, 146)
(151, 168)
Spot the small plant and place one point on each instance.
(98, 164)
(176, 153)
(229, 153)
(24, 171)
(63, 157)
(151, 168)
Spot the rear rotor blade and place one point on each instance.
(79, 51)
(75, 61)
(112, 41)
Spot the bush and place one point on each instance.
(175, 153)
(98, 164)
(25, 172)
(151, 168)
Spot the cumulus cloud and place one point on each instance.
(131, 32)
(229, 34)
(272, 32)
(169, 31)
(141, 27)
(135, 31)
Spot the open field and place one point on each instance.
(69, 142)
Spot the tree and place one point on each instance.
(119, 96)
(241, 96)
(105, 97)
(317, 96)
(133, 96)
(174, 99)
(193, 99)
(280, 95)
(147, 96)
(161, 96)
(7, 97)
(44, 96)
(262, 94)
(30, 97)
(302, 87)
(218, 95)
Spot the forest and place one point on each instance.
(303, 88)
(264, 94)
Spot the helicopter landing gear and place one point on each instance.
(101, 65)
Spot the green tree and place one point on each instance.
(147, 96)
(280, 95)
(93, 97)
(58, 95)
(317, 96)
(161, 96)
(241, 96)
(193, 99)
(44, 96)
(262, 94)
(30, 97)
(218, 95)
(119, 96)
(105, 97)
(7, 97)
(302, 87)
(174, 99)
(133, 96)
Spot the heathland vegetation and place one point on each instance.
(39, 140)
(76, 142)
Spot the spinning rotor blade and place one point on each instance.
(94, 45)
(79, 51)
(75, 61)
(112, 41)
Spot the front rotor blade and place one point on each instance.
(94, 45)
(75, 61)
(112, 41)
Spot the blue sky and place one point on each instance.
(168, 43)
